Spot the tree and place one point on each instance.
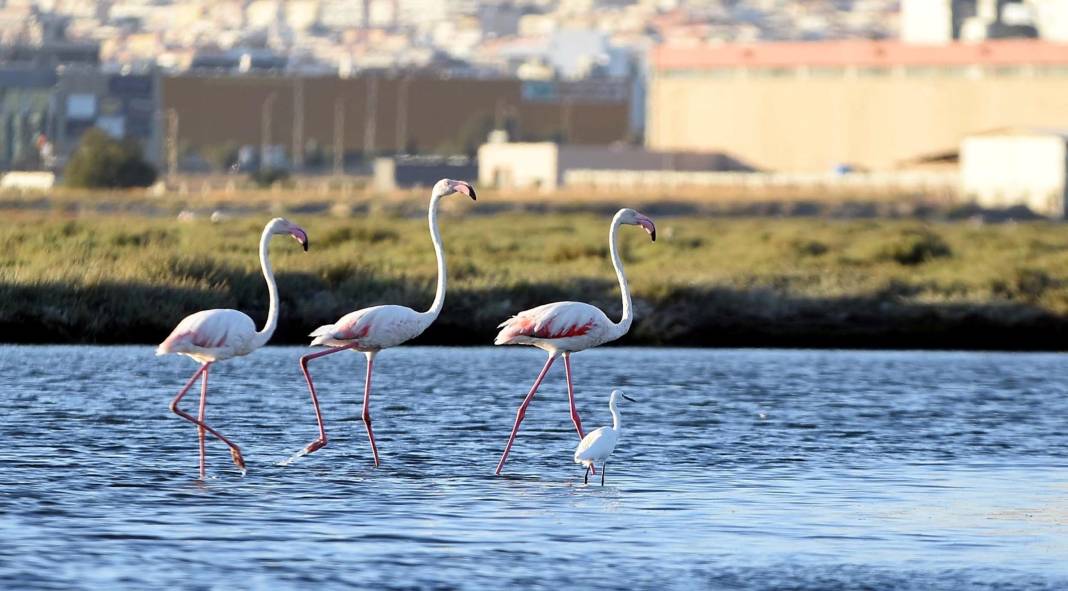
(101, 161)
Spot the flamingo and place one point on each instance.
(213, 335)
(598, 444)
(562, 328)
(370, 330)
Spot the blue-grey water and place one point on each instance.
(742, 469)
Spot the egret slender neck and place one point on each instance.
(272, 290)
(615, 413)
(439, 250)
(628, 316)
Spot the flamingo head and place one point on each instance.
(448, 187)
(617, 394)
(284, 226)
(634, 218)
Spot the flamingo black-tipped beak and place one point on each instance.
(648, 225)
(300, 236)
(628, 397)
(465, 188)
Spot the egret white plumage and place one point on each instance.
(598, 444)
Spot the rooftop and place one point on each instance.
(860, 53)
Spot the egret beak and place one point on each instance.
(627, 397)
(465, 188)
(648, 225)
(300, 236)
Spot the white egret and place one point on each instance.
(598, 444)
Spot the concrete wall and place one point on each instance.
(626, 157)
(406, 173)
(807, 123)
(1011, 170)
(927, 182)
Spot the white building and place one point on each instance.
(1017, 167)
(927, 21)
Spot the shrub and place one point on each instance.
(268, 176)
(101, 161)
(916, 247)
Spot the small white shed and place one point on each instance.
(1015, 167)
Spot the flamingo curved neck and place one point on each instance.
(272, 289)
(439, 251)
(628, 316)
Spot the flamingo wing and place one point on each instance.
(377, 327)
(551, 321)
(214, 332)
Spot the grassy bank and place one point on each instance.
(707, 281)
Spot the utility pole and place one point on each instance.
(172, 144)
(371, 114)
(339, 136)
(566, 115)
(402, 115)
(266, 121)
(298, 124)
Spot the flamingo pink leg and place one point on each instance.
(571, 400)
(523, 411)
(367, 405)
(235, 452)
(201, 415)
(321, 441)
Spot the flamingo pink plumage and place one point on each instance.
(562, 328)
(213, 335)
(372, 329)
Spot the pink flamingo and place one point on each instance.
(213, 335)
(372, 329)
(561, 328)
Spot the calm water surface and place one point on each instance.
(736, 470)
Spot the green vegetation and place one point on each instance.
(706, 281)
(103, 162)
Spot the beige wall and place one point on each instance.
(797, 124)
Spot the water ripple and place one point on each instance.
(737, 470)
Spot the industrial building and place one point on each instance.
(44, 112)
(816, 107)
(373, 115)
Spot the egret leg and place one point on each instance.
(523, 411)
(367, 404)
(201, 415)
(571, 400)
(321, 441)
(602, 471)
(235, 452)
(586, 478)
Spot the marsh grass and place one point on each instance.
(706, 281)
